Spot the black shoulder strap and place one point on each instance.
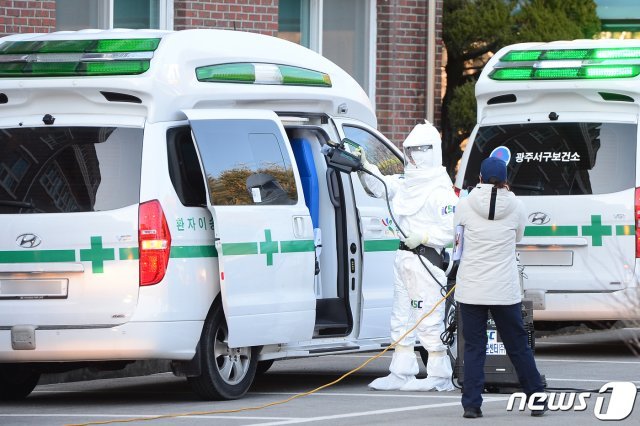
(492, 203)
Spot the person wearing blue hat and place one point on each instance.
(487, 281)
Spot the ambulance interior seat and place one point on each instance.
(307, 169)
(331, 316)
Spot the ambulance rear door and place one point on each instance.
(576, 178)
(264, 234)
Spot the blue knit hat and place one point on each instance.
(493, 167)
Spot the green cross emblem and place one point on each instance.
(596, 230)
(97, 255)
(268, 247)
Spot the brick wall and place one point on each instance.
(259, 16)
(27, 16)
(401, 81)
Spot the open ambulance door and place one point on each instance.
(378, 233)
(264, 234)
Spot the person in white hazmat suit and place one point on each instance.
(423, 203)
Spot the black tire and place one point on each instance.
(264, 366)
(17, 381)
(226, 373)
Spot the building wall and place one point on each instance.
(401, 82)
(27, 16)
(245, 15)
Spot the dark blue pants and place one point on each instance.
(508, 320)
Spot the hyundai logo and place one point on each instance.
(28, 240)
(539, 218)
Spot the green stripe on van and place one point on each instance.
(233, 249)
(625, 230)
(297, 246)
(36, 256)
(128, 253)
(190, 252)
(381, 245)
(551, 231)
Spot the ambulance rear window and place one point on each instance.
(560, 158)
(69, 169)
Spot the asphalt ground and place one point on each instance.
(583, 362)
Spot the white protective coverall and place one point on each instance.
(423, 205)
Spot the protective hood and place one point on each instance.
(480, 197)
(422, 148)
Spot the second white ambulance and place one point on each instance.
(566, 114)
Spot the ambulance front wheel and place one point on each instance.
(17, 381)
(227, 373)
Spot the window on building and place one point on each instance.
(345, 36)
(105, 14)
(342, 31)
(293, 21)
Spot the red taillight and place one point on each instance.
(637, 222)
(154, 243)
(456, 190)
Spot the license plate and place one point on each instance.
(34, 289)
(546, 257)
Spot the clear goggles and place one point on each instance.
(409, 150)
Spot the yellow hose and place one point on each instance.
(284, 401)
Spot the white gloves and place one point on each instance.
(413, 240)
(359, 152)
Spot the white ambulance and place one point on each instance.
(566, 114)
(164, 197)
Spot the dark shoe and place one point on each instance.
(472, 413)
(540, 411)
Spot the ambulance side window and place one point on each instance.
(184, 168)
(246, 163)
(376, 150)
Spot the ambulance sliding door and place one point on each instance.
(264, 235)
(379, 237)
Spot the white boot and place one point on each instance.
(403, 368)
(438, 375)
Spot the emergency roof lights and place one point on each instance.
(559, 64)
(64, 58)
(261, 73)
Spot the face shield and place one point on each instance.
(418, 157)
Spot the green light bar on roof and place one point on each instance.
(583, 72)
(260, 73)
(562, 64)
(68, 58)
(571, 54)
(80, 46)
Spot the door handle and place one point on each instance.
(299, 226)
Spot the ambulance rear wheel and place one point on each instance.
(227, 373)
(17, 381)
